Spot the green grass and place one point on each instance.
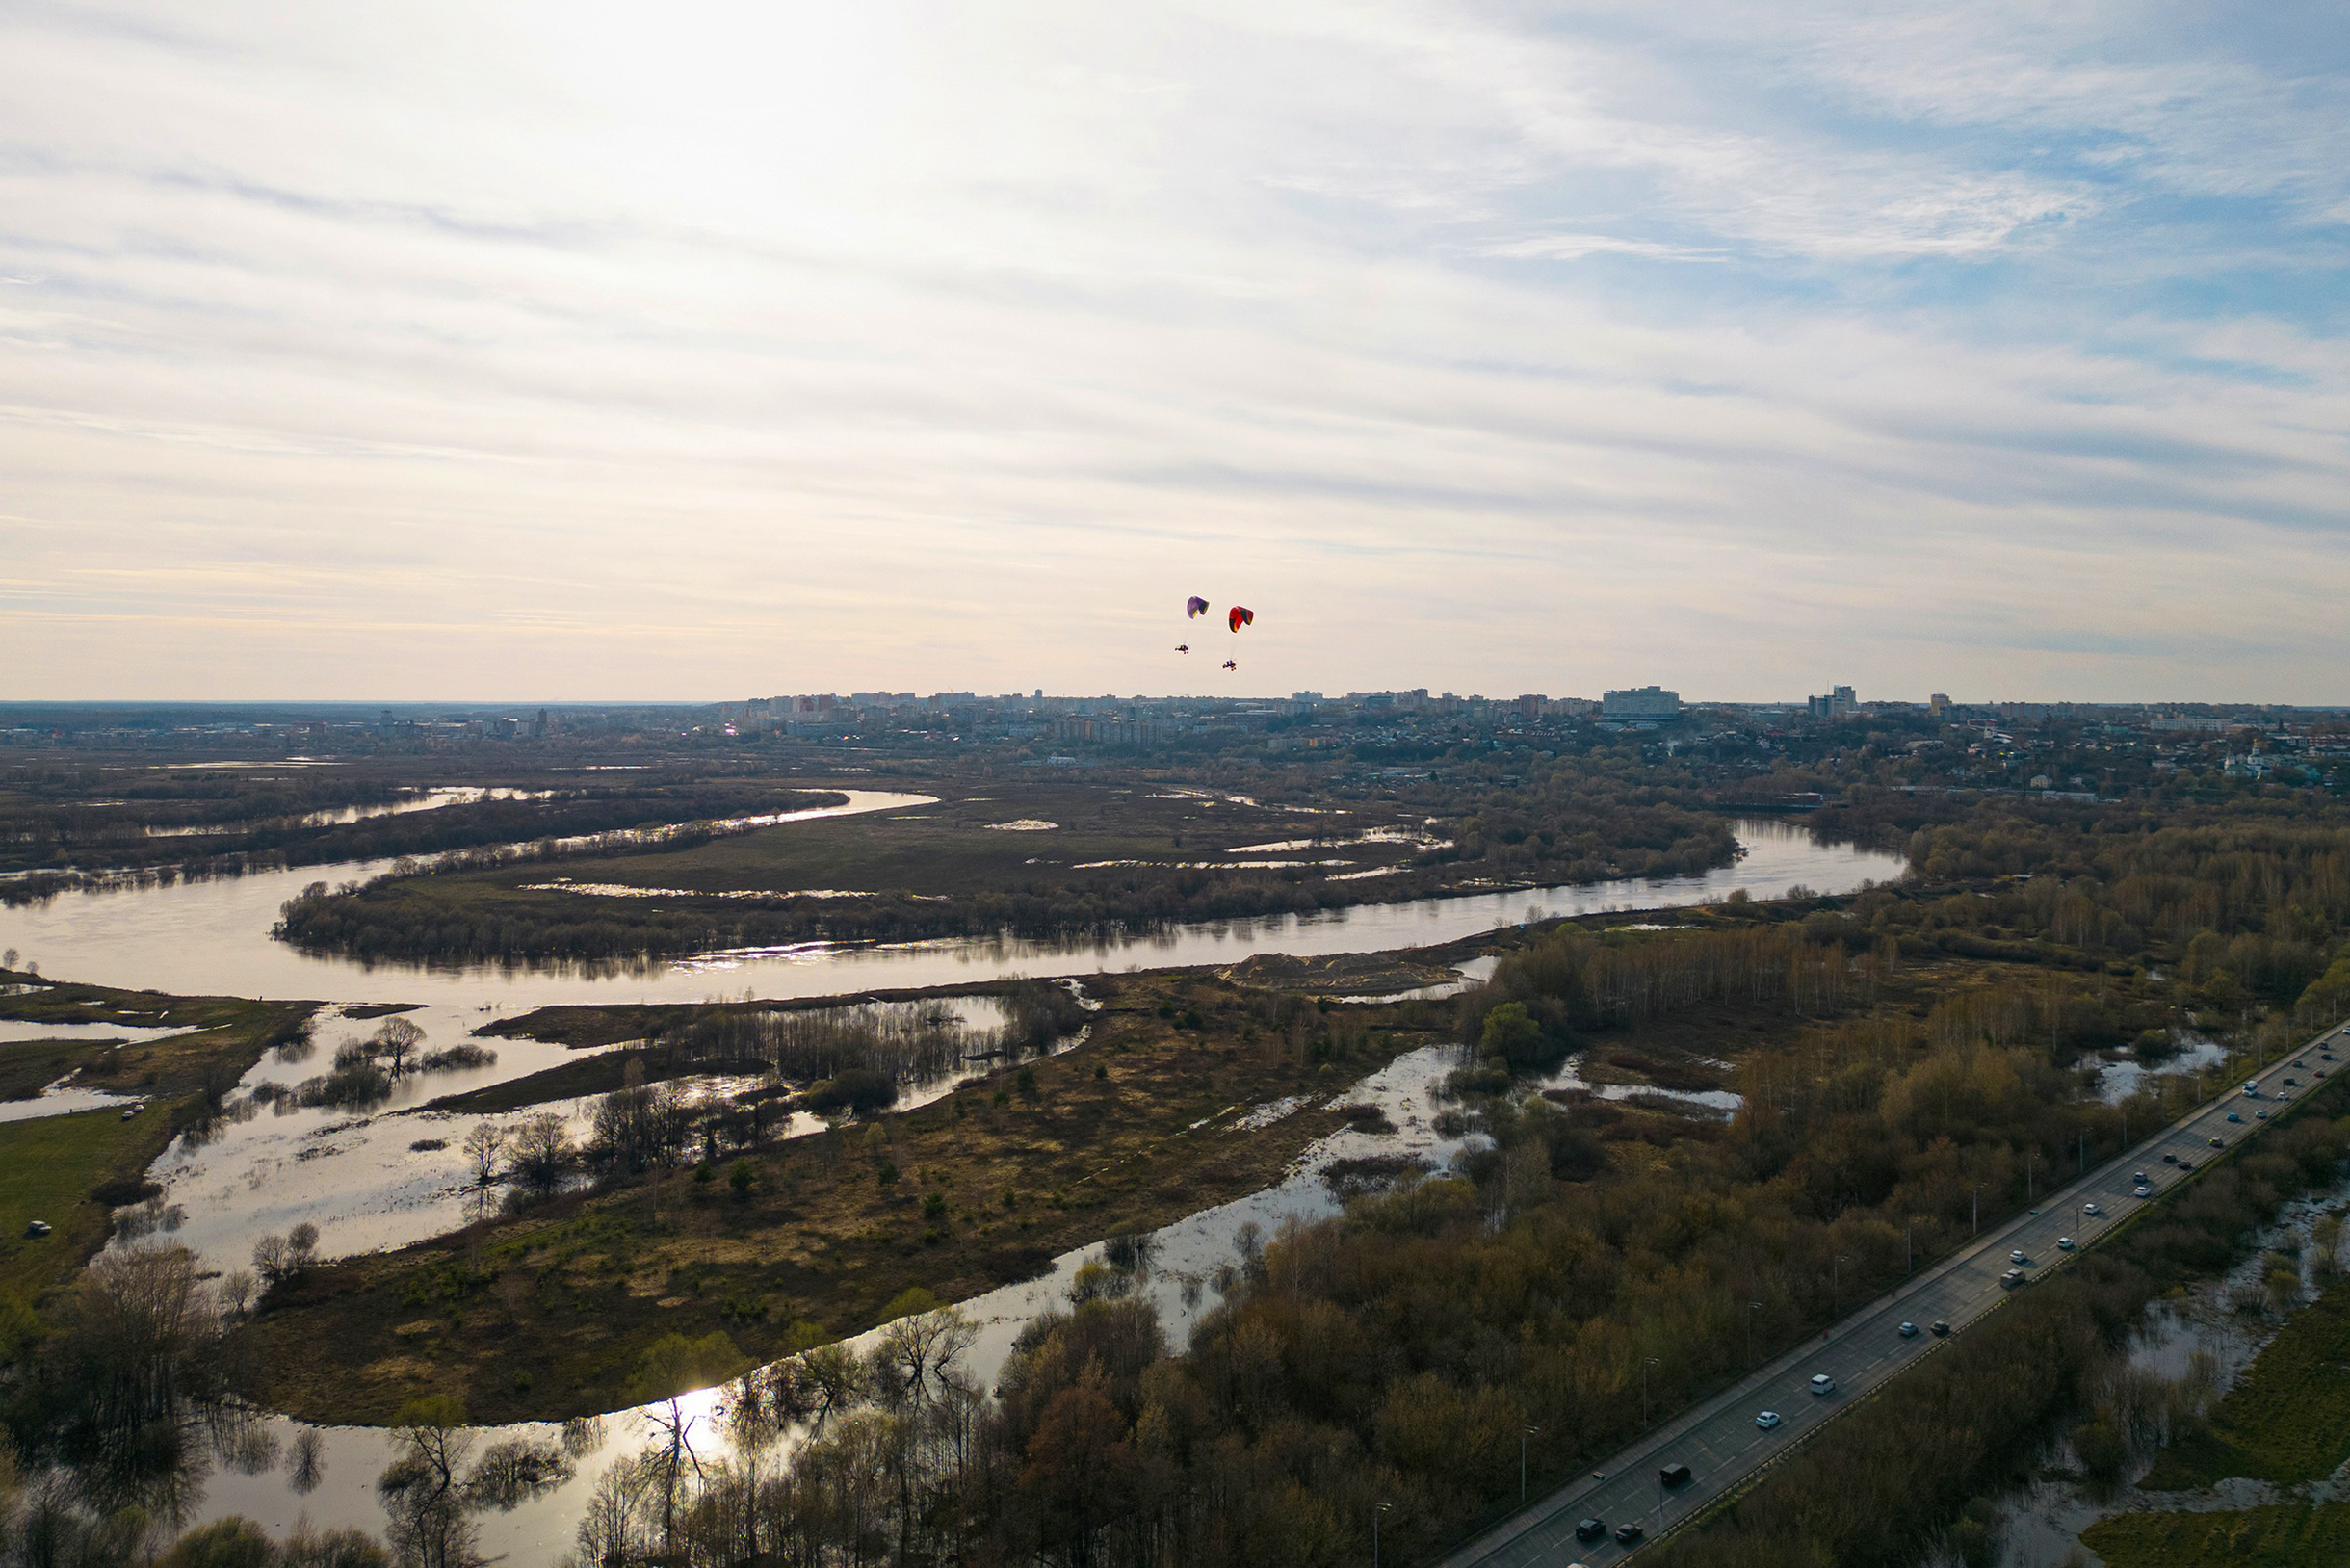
(47, 1169)
(2288, 1419)
(49, 1166)
(2286, 1536)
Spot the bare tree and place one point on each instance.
(396, 1042)
(483, 1146)
(432, 1487)
(301, 1246)
(542, 1150)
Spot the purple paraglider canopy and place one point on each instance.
(1195, 606)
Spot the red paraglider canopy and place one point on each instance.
(1195, 606)
(1243, 618)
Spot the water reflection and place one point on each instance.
(207, 938)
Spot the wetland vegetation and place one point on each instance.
(64, 825)
(1032, 858)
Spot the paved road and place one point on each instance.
(1719, 1440)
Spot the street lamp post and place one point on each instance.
(1835, 1287)
(1521, 1437)
(1374, 1532)
(1978, 1208)
(1751, 1307)
(1652, 1360)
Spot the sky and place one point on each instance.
(571, 352)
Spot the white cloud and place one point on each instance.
(572, 352)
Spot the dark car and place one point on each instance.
(1941, 1331)
(1590, 1529)
(2292, 1082)
(2170, 1159)
(1672, 1475)
(2218, 1143)
(1629, 1533)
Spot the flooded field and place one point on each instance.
(395, 1174)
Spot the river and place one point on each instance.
(212, 937)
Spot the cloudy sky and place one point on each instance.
(577, 350)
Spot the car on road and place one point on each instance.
(1627, 1532)
(1675, 1473)
(2064, 1243)
(1767, 1420)
(1941, 1331)
(1823, 1383)
(2253, 1089)
(2186, 1165)
(2219, 1143)
(1909, 1331)
(1590, 1529)
(2170, 1159)
(2018, 1256)
(2233, 1117)
(2141, 1191)
(2321, 1072)
(2138, 1176)
(2013, 1278)
(2260, 1115)
(2091, 1209)
(2292, 1082)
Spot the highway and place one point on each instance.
(1718, 1439)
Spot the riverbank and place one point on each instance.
(72, 1171)
(1188, 1091)
(1032, 859)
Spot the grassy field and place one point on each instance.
(48, 1168)
(2286, 1536)
(28, 1066)
(541, 1315)
(52, 1167)
(2286, 1420)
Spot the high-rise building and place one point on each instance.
(1641, 702)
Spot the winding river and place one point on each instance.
(366, 1185)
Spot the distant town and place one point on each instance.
(2085, 750)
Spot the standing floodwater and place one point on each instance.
(212, 937)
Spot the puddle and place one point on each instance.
(2041, 1521)
(1185, 1257)
(1723, 1102)
(2118, 1080)
(63, 1098)
(15, 1031)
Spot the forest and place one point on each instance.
(63, 828)
(1583, 821)
(1388, 1363)
(1899, 1054)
